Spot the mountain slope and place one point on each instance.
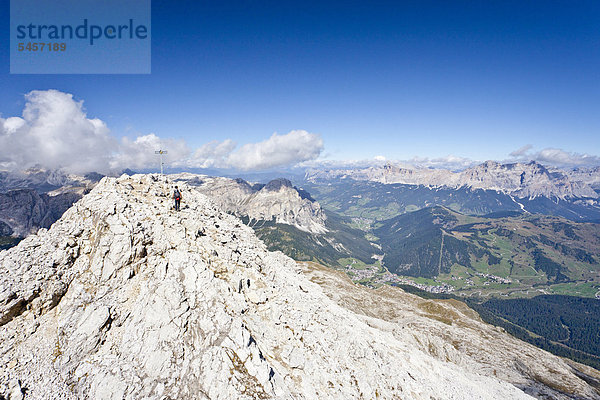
(36, 198)
(125, 298)
(506, 254)
(451, 331)
(416, 243)
(339, 242)
(286, 218)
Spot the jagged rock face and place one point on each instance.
(5, 229)
(277, 200)
(25, 211)
(125, 298)
(36, 198)
(588, 176)
(43, 181)
(277, 184)
(521, 180)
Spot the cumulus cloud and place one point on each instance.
(279, 150)
(286, 150)
(212, 154)
(140, 152)
(555, 157)
(55, 132)
(449, 162)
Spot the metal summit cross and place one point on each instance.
(161, 152)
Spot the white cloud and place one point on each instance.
(380, 158)
(279, 150)
(342, 164)
(140, 153)
(55, 132)
(450, 162)
(521, 151)
(555, 157)
(560, 157)
(212, 154)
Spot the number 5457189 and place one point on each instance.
(41, 46)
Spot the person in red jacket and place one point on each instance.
(177, 197)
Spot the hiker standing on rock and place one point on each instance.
(177, 197)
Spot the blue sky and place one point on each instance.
(399, 79)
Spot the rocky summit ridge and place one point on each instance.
(124, 298)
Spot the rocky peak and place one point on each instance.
(276, 185)
(536, 164)
(489, 164)
(278, 200)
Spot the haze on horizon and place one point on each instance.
(264, 86)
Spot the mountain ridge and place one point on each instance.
(522, 180)
(125, 298)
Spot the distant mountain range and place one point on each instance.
(46, 181)
(383, 192)
(521, 180)
(416, 231)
